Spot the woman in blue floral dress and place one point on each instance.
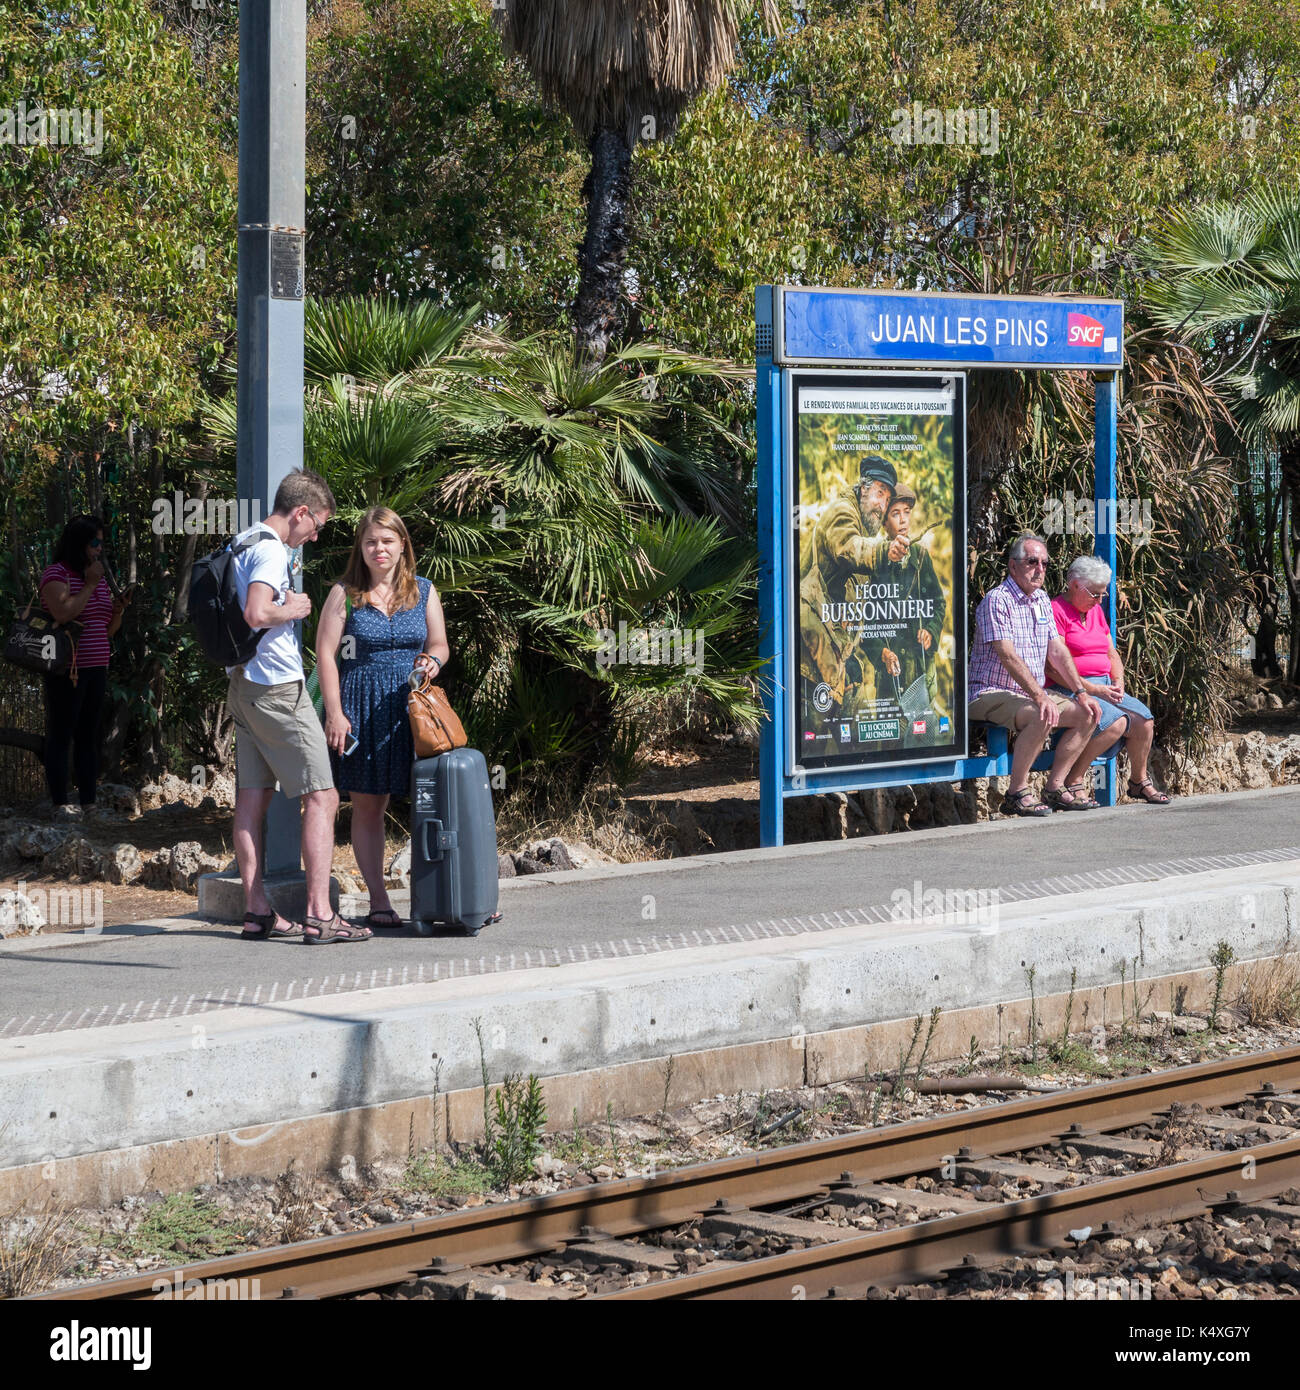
(383, 621)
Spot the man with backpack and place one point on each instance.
(244, 606)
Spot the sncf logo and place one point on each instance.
(1083, 331)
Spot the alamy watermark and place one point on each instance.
(177, 1286)
(67, 907)
(1103, 1289)
(656, 646)
(952, 125)
(1119, 516)
(946, 907)
(37, 125)
(179, 515)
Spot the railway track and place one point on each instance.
(879, 1207)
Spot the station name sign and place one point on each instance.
(862, 327)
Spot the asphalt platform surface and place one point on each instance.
(187, 966)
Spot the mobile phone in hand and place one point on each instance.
(350, 745)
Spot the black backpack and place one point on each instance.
(215, 610)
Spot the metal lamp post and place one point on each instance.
(272, 201)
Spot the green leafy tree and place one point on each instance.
(433, 168)
(116, 305)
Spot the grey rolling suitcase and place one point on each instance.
(453, 843)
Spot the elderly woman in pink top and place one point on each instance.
(1085, 631)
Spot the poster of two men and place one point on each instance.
(879, 468)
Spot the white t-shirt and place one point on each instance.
(278, 657)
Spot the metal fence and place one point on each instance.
(22, 707)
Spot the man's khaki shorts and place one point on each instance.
(1002, 707)
(278, 737)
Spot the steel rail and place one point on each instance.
(352, 1263)
(908, 1254)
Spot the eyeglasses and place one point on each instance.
(99, 540)
(1034, 564)
(1094, 593)
(319, 524)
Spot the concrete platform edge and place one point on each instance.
(398, 1129)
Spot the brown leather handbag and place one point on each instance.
(434, 726)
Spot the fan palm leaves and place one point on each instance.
(1229, 276)
(624, 71)
(545, 496)
(376, 339)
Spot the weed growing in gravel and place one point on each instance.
(1270, 991)
(517, 1134)
(438, 1176)
(295, 1203)
(925, 1046)
(1064, 1041)
(1067, 1055)
(181, 1224)
(1221, 958)
(35, 1250)
(905, 1060)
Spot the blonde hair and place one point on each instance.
(356, 577)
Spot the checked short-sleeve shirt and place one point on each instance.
(1008, 614)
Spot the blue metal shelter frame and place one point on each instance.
(798, 326)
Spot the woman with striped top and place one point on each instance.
(73, 588)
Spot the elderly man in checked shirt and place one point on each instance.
(1015, 633)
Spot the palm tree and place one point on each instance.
(624, 71)
(548, 499)
(1230, 280)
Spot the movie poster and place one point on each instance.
(880, 600)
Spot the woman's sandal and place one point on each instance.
(267, 930)
(1156, 797)
(1083, 798)
(372, 919)
(1014, 804)
(326, 933)
(1063, 799)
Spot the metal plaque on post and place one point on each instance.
(288, 278)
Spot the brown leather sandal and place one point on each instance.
(1083, 798)
(267, 930)
(1145, 786)
(318, 932)
(372, 919)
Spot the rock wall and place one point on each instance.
(1242, 761)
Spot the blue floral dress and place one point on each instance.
(373, 691)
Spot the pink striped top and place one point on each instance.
(92, 648)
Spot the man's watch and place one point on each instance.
(1074, 694)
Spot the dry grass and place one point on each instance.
(600, 822)
(36, 1249)
(1270, 991)
(295, 1204)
